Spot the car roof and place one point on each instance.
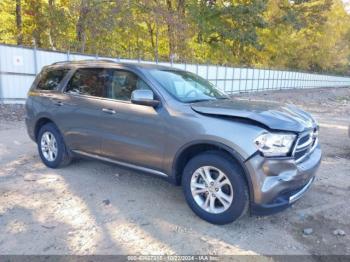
(108, 63)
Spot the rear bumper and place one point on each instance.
(30, 128)
(278, 183)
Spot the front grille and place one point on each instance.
(304, 139)
(305, 144)
(300, 154)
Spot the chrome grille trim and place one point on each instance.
(308, 146)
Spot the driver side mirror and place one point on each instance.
(144, 97)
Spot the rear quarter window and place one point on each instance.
(50, 79)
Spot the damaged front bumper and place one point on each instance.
(279, 182)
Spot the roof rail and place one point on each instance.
(60, 62)
(83, 61)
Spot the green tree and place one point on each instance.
(300, 34)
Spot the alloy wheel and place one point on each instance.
(49, 147)
(211, 189)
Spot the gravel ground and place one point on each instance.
(92, 207)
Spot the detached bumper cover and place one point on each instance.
(278, 183)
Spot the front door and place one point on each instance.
(132, 133)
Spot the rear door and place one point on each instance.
(48, 86)
(81, 117)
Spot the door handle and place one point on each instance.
(57, 102)
(108, 111)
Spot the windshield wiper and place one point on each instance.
(200, 100)
(223, 98)
(207, 99)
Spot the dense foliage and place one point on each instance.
(301, 34)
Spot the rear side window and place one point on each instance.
(105, 82)
(50, 79)
(88, 81)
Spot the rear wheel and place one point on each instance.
(214, 188)
(52, 149)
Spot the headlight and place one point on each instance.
(275, 144)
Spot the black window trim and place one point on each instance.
(73, 71)
(59, 86)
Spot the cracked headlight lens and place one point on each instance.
(275, 144)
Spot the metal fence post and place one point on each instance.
(233, 76)
(246, 79)
(240, 79)
(263, 83)
(225, 78)
(252, 85)
(216, 75)
(294, 82)
(68, 55)
(207, 71)
(310, 80)
(258, 84)
(281, 80)
(272, 79)
(35, 60)
(314, 81)
(276, 79)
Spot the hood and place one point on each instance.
(272, 115)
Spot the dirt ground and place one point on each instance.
(92, 207)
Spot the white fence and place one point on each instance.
(19, 65)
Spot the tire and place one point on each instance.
(234, 188)
(61, 157)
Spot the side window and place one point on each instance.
(50, 79)
(89, 81)
(122, 83)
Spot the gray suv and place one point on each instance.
(229, 155)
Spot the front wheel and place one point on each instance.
(52, 149)
(215, 188)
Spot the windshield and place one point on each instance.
(187, 87)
